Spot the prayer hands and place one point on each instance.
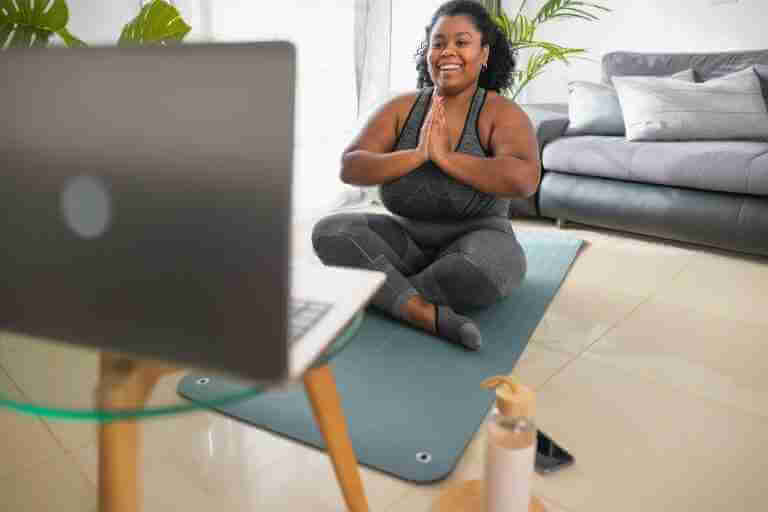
(433, 139)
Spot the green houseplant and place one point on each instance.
(32, 23)
(520, 30)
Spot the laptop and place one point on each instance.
(145, 208)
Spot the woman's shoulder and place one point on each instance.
(404, 100)
(400, 105)
(498, 101)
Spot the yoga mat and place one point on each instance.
(413, 401)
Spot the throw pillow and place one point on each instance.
(762, 74)
(729, 107)
(593, 109)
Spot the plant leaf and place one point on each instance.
(28, 23)
(22, 37)
(70, 40)
(25, 10)
(521, 35)
(565, 9)
(158, 23)
(39, 7)
(5, 34)
(41, 38)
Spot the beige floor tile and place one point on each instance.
(202, 440)
(8, 389)
(50, 373)
(644, 446)
(423, 500)
(602, 237)
(631, 269)
(24, 440)
(303, 479)
(726, 285)
(538, 364)
(710, 356)
(579, 315)
(420, 497)
(58, 375)
(165, 486)
(54, 484)
(242, 466)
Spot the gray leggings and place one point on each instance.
(463, 264)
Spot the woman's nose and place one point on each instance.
(450, 50)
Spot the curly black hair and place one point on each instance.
(501, 60)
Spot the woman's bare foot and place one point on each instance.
(421, 313)
(443, 321)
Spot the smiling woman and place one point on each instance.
(447, 158)
(499, 75)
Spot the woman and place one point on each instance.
(447, 158)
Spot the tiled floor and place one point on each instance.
(650, 366)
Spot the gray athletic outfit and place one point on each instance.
(446, 241)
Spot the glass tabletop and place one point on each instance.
(62, 381)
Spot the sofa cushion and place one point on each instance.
(594, 109)
(762, 74)
(706, 65)
(729, 107)
(723, 166)
(549, 121)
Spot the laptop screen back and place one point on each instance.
(145, 200)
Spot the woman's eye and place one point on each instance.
(461, 43)
(436, 45)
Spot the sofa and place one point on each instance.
(709, 192)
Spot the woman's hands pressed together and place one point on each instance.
(434, 142)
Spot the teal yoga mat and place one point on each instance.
(412, 401)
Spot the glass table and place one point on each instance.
(68, 382)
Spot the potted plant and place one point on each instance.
(520, 30)
(32, 23)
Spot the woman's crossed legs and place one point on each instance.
(432, 268)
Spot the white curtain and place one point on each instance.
(373, 36)
(373, 41)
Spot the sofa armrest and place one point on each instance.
(550, 120)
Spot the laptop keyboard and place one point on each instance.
(304, 315)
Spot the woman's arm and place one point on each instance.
(369, 159)
(514, 169)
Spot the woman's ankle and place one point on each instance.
(421, 313)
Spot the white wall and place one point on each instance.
(647, 25)
(409, 19)
(323, 34)
(100, 21)
(326, 105)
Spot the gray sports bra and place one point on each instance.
(427, 193)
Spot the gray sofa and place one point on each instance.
(713, 193)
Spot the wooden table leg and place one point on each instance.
(326, 404)
(124, 383)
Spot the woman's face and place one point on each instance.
(455, 55)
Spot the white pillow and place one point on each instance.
(593, 109)
(729, 107)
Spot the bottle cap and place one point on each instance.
(512, 398)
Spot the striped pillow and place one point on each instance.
(729, 107)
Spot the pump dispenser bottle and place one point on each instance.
(511, 446)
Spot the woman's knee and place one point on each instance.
(490, 264)
(332, 239)
(465, 283)
(336, 224)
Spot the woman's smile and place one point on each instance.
(456, 53)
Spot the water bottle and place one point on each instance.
(511, 446)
